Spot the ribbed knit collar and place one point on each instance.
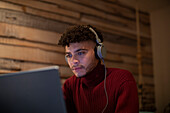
(94, 77)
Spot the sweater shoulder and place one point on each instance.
(118, 71)
(120, 74)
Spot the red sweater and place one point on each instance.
(87, 95)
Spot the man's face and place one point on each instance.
(81, 57)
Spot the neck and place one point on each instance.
(94, 77)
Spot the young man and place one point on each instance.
(88, 91)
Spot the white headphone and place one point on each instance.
(101, 51)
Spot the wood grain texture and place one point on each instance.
(45, 7)
(37, 12)
(24, 19)
(31, 54)
(31, 34)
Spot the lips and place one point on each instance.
(77, 68)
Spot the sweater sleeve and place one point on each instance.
(127, 101)
(68, 97)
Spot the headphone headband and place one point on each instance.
(97, 38)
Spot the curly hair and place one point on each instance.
(79, 33)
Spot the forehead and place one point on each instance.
(80, 45)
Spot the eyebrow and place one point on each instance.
(77, 51)
(80, 50)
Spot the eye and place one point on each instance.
(68, 55)
(81, 53)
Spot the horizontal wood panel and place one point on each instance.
(126, 50)
(63, 80)
(5, 5)
(128, 60)
(123, 26)
(145, 29)
(145, 79)
(3, 71)
(122, 49)
(12, 30)
(113, 57)
(114, 38)
(85, 9)
(112, 27)
(109, 7)
(31, 34)
(24, 43)
(46, 14)
(46, 7)
(78, 7)
(17, 65)
(31, 54)
(65, 71)
(116, 32)
(24, 19)
(37, 12)
(147, 69)
(9, 64)
(131, 67)
(144, 17)
(51, 16)
(110, 56)
(73, 21)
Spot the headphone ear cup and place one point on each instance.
(101, 51)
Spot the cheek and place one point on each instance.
(90, 61)
(69, 64)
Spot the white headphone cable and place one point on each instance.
(98, 42)
(105, 87)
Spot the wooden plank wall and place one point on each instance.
(30, 30)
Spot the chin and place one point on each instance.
(79, 76)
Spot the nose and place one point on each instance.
(74, 60)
